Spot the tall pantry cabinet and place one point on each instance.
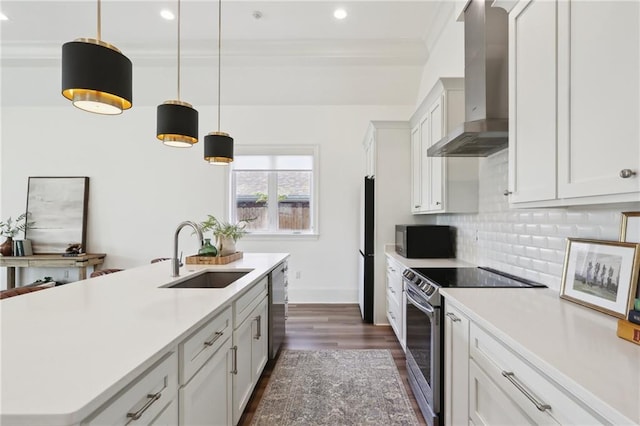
(387, 148)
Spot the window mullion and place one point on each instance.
(273, 201)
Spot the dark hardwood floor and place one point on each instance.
(316, 326)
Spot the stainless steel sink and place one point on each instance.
(212, 279)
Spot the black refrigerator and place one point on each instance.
(366, 256)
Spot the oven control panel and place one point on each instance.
(428, 290)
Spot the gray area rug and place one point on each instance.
(335, 387)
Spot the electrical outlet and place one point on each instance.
(298, 275)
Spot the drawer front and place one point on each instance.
(527, 385)
(394, 314)
(196, 349)
(145, 399)
(247, 302)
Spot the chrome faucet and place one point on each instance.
(175, 262)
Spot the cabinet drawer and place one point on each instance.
(394, 314)
(247, 302)
(196, 349)
(527, 385)
(145, 399)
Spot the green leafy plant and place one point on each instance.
(222, 229)
(11, 228)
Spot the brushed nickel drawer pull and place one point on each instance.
(512, 378)
(258, 320)
(153, 397)
(234, 360)
(453, 317)
(216, 337)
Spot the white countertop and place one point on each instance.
(576, 346)
(389, 250)
(66, 350)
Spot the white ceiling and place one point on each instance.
(373, 32)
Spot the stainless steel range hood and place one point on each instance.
(486, 129)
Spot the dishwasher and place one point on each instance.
(277, 307)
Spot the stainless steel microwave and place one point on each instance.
(425, 241)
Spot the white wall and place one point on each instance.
(140, 190)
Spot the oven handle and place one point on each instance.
(424, 308)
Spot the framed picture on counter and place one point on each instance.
(630, 227)
(602, 275)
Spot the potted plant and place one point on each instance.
(225, 233)
(9, 229)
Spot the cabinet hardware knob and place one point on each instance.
(506, 193)
(627, 173)
(453, 317)
(417, 206)
(153, 397)
(512, 378)
(437, 203)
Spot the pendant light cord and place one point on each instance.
(178, 49)
(99, 25)
(219, 46)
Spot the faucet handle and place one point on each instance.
(180, 260)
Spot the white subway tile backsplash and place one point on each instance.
(530, 243)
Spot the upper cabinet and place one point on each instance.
(441, 184)
(574, 75)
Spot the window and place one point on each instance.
(273, 189)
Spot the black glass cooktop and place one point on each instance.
(473, 277)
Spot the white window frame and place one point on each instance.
(312, 150)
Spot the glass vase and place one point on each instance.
(208, 249)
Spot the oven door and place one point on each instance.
(423, 351)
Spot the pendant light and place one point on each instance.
(177, 121)
(218, 146)
(96, 76)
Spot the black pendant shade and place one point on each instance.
(96, 76)
(177, 124)
(218, 148)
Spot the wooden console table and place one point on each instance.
(49, 261)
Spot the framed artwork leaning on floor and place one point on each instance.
(601, 275)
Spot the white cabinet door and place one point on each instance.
(599, 102)
(206, 399)
(574, 71)
(251, 354)
(456, 367)
(259, 342)
(436, 164)
(242, 377)
(425, 164)
(416, 170)
(441, 184)
(532, 103)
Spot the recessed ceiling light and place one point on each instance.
(167, 14)
(340, 13)
(3, 17)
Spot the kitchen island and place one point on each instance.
(69, 350)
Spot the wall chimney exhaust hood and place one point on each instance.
(486, 129)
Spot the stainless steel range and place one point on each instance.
(425, 334)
